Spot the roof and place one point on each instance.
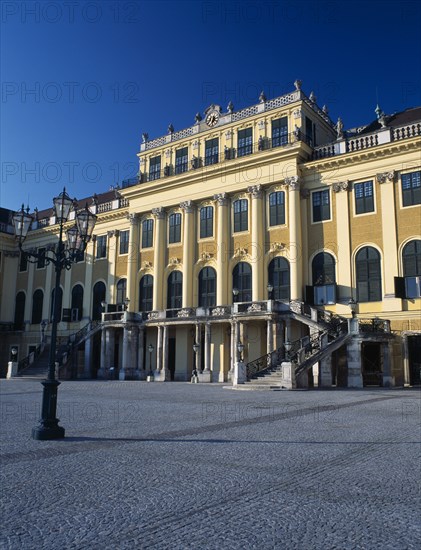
(397, 119)
(99, 199)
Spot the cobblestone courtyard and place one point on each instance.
(177, 465)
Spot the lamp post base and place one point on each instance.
(48, 427)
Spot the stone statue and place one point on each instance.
(145, 137)
(262, 97)
(198, 117)
(339, 128)
(297, 84)
(230, 107)
(170, 129)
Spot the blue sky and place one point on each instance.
(82, 80)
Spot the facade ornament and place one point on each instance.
(230, 107)
(293, 183)
(383, 120)
(312, 97)
(185, 312)
(198, 118)
(222, 198)
(339, 129)
(295, 306)
(145, 137)
(219, 311)
(325, 109)
(339, 186)
(297, 113)
(297, 133)
(383, 177)
(133, 218)
(142, 161)
(276, 247)
(170, 129)
(153, 315)
(167, 153)
(298, 84)
(195, 145)
(228, 134)
(261, 124)
(159, 213)
(174, 261)
(112, 233)
(146, 265)
(187, 206)
(240, 252)
(262, 97)
(304, 193)
(254, 307)
(95, 199)
(205, 256)
(255, 191)
(117, 193)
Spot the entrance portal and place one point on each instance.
(171, 357)
(371, 364)
(414, 358)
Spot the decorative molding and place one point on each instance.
(167, 153)
(153, 315)
(142, 161)
(174, 261)
(195, 145)
(187, 206)
(240, 252)
(12, 254)
(255, 191)
(340, 186)
(185, 312)
(146, 265)
(261, 124)
(112, 233)
(276, 247)
(205, 256)
(133, 218)
(304, 193)
(383, 177)
(159, 213)
(222, 198)
(293, 183)
(228, 134)
(255, 307)
(220, 311)
(297, 113)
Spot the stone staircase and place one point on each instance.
(270, 379)
(39, 368)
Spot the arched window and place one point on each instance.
(207, 287)
(77, 303)
(98, 296)
(58, 305)
(369, 278)
(121, 291)
(37, 301)
(241, 281)
(19, 310)
(175, 290)
(324, 279)
(411, 256)
(278, 277)
(146, 293)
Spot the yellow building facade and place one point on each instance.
(253, 227)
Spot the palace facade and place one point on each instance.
(261, 226)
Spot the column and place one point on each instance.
(132, 260)
(294, 211)
(280, 335)
(257, 242)
(102, 371)
(207, 346)
(198, 340)
(343, 239)
(109, 348)
(126, 354)
(29, 294)
(223, 241)
(189, 240)
(159, 258)
(353, 356)
(112, 262)
(87, 293)
(165, 369)
(390, 245)
(269, 336)
(87, 368)
(158, 353)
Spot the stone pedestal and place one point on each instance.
(240, 373)
(205, 376)
(12, 369)
(353, 355)
(122, 374)
(150, 378)
(161, 375)
(288, 375)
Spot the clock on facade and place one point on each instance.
(212, 118)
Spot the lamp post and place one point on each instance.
(235, 293)
(352, 306)
(43, 325)
(288, 348)
(104, 306)
(126, 303)
(14, 352)
(61, 257)
(270, 290)
(196, 348)
(150, 349)
(240, 348)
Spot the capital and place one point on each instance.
(255, 191)
(293, 182)
(133, 218)
(383, 177)
(221, 198)
(159, 213)
(339, 186)
(187, 206)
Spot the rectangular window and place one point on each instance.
(206, 222)
(321, 206)
(80, 256)
(413, 287)
(175, 228)
(364, 197)
(181, 159)
(280, 131)
(124, 242)
(211, 151)
(23, 262)
(155, 168)
(310, 132)
(240, 215)
(411, 188)
(324, 294)
(245, 142)
(277, 208)
(147, 233)
(101, 246)
(41, 259)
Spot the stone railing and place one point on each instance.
(406, 132)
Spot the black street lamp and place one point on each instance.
(235, 293)
(270, 290)
(62, 257)
(240, 348)
(196, 348)
(352, 306)
(288, 348)
(150, 348)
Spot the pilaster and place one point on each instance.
(223, 237)
(159, 258)
(132, 260)
(188, 252)
(294, 210)
(257, 232)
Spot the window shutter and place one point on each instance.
(309, 295)
(400, 287)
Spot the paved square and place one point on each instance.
(177, 465)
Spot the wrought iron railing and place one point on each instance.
(76, 338)
(264, 363)
(26, 361)
(374, 325)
